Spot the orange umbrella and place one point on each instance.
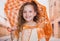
(44, 18)
(11, 9)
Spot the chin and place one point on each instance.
(28, 20)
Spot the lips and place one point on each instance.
(28, 16)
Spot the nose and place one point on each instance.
(27, 14)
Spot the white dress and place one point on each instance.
(29, 35)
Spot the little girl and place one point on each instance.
(28, 28)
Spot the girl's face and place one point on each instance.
(29, 13)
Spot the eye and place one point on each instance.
(24, 12)
(30, 11)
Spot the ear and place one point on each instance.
(35, 14)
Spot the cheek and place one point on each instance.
(24, 15)
(34, 14)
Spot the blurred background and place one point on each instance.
(53, 12)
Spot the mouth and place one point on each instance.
(28, 16)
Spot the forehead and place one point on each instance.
(29, 7)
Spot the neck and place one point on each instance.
(32, 23)
(29, 21)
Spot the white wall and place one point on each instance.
(2, 14)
